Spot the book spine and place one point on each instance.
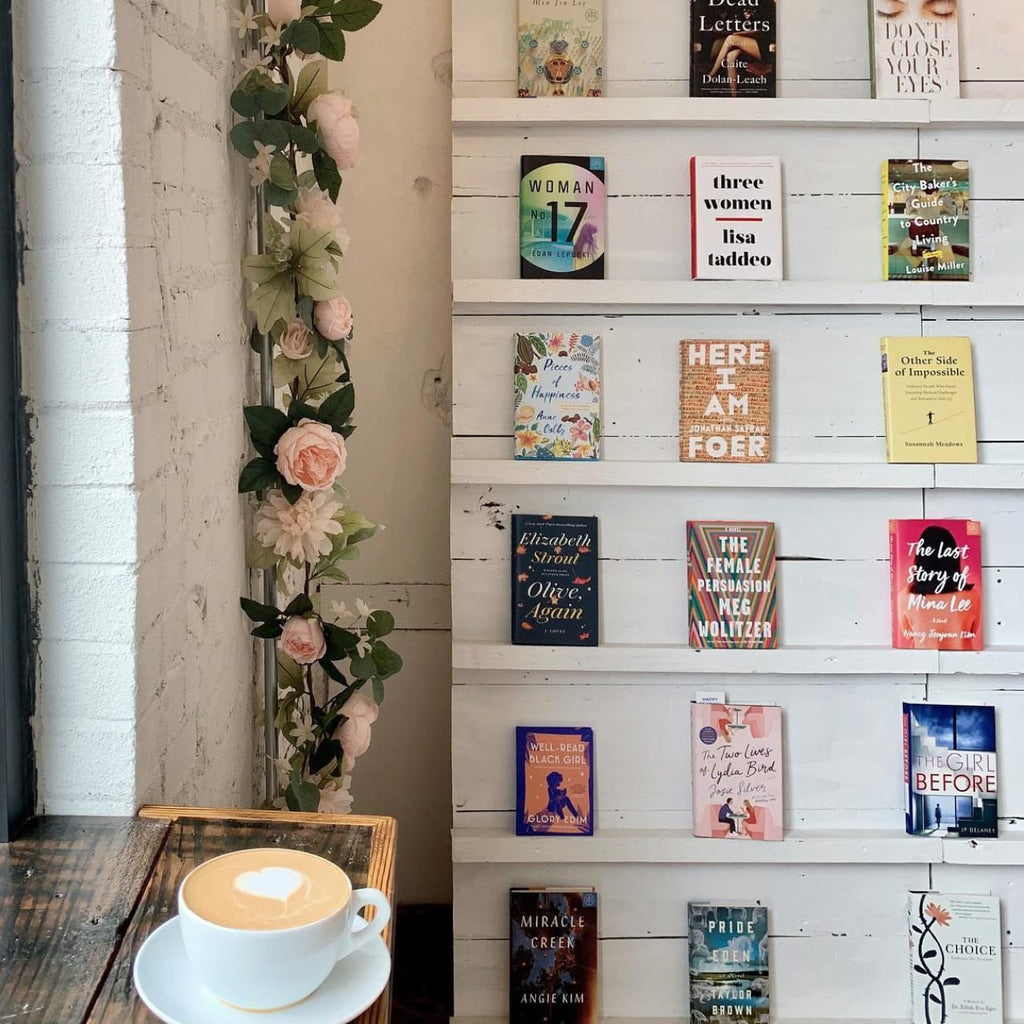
(513, 582)
(908, 788)
(693, 217)
(893, 585)
(872, 60)
(886, 401)
(885, 213)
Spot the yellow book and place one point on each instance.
(928, 393)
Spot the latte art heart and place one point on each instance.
(271, 883)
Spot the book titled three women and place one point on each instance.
(729, 980)
(949, 768)
(554, 781)
(732, 48)
(736, 754)
(731, 578)
(553, 956)
(558, 396)
(554, 580)
(561, 216)
(560, 48)
(935, 566)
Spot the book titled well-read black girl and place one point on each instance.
(554, 781)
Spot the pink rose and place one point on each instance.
(297, 340)
(280, 12)
(315, 209)
(354, 733)
(337, 128)
(311, 455)
(303, 640)
(333, 318)
(361, 706)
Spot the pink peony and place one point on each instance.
(337, 128)
(361, 706)
(333, 318)
(311, 455)
(297, 340)
(303, 640)
(354, 733)
(280, 12)
(315, 210)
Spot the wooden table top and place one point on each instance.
(79, 896)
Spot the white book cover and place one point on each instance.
(736, 218)
(955, 958)
(915, 49)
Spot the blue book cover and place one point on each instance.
(728, 963)
(554, 580)
(949, 769)
(554, 781)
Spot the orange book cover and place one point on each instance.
(554, 781)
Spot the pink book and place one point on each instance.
(736, 753)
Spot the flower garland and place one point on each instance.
(298, 137)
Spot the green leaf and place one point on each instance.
(306, 140)
(267, 631)
(264, 268)
(312, 82)
(266, 424)
(258, 475)
(379, 624)
(352, 15)
(302, 796)
(339, 641)
(362, 667)
(259, 612)
(317, 278)
(291, 491)
(337, 409)
(255, 340)
(332, 40)
(299, 605)
(273, 99)
(331, 572)
(286, 370)
(257, 92)
(332, 670)
(388, 662)
(317, 375)
(273, 301)
(309, 242)
(326, 752)
(328, 177)
(246, 134)
(257, 556)
(281, 173)
(243, 135)
(302, 35)
(378, 690)
(300, 411)
(277, 196)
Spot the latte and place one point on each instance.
(266, 889)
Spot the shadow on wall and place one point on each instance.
(423, 965)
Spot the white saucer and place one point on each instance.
(164, 980)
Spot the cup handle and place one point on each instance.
(367, 898)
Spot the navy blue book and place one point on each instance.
(554, 781)
(949, 766)
(554, 580)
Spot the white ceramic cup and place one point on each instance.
(256, 969)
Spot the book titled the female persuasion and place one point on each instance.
(554, 781)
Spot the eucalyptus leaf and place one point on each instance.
(388, 662)
(304, 139)
(362, 666)
(302, 796)
(379, 624)
(282, 173)
(378, 689)
(302, 35)
(277, 196)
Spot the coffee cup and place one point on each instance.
(263, 928)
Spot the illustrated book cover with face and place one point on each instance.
(736, 764)
(562, 220)
(928, 392)
(956, 958)
(733, 49)
(557, 396)
(554, 781)
(736, 218)
(935, 567)
(949, 766)
(731, 581)
(926, 220)
(915, 49)
(554, 580)
(560, 48)
(553, 974)
(729, 970)
(725, 401)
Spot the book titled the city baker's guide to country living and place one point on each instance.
(554, 781)
(736, 762)
(561, 217)
(731, 582)
(935, 568)
(729, 970)
(928, 391)
(553, 977)
(725, 401)
(949, 770)
(915, 49)
(736, 218)
(560, 48)
(554, 580)
(733, 50)
(926, 222)
(956, 958)
(558, 396)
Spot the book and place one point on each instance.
(736, 765)
(935, 567)
(725, 399)
(733, 49)
(561, 216)
(736, 218)
(950, 770)
(554, 781)
(956, 958)
(729, 977)
(553, 956)
(560, 50)
(926, 222)
(731, 581)
(928, 395)
(915, 49)
(557, 396)
(554, 580)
